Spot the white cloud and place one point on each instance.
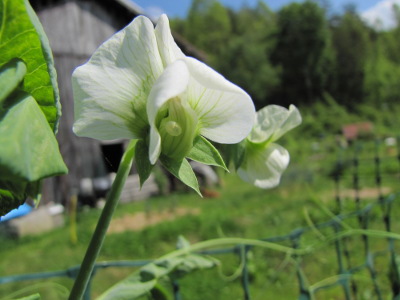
(381, 15)
(154, 12)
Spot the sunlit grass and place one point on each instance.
(305, 197)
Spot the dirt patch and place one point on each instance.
(139, 221)
(366, 193)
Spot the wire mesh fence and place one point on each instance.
(360, 234)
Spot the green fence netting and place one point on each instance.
(360, 233)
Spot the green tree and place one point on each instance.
(382, 72)
(352, 46)
(208, 27)
(303, 52)
(245, 59)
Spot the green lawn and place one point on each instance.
(240, 211)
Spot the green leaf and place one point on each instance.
(192, 263)
(181, 170)
(29, 149)
(204, 152)
(147, 278)
(182, 243)
(12, 195)
(11, 76)
(143, 165)
(22, 36)
(31, 297)
(159, 292)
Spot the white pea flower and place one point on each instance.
(264, 161)
(139, 85)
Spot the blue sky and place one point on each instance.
(370, 9)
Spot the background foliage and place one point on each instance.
(301, 54)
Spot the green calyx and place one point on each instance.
(177, 128)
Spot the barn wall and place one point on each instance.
(75, 29)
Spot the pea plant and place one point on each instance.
(138, 85)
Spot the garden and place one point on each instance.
(323, 226)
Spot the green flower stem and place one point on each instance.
(99, 234)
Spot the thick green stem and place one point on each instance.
(99, 234)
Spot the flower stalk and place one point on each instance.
(99, 234)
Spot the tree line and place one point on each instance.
(299, 54)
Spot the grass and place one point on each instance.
(240, 211)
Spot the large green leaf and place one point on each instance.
(11, 76)
(29, 149)
(29, 106)
(22, 36)
(28, 152)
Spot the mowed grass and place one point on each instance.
(304, 198)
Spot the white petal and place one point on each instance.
(115, 83)
(225, 111)
(172, 82)
(273, 121)
(264, 167)
(167, 47)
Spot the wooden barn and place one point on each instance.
(75, 28)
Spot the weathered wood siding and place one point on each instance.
(75, 29)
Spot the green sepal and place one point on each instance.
(143, 165)
(183, 171)
(204, 152)
(234, 153)
(29, 149)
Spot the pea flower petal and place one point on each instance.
(139, 85)
(264, 166)
(273, 121)
(265, 161)
(111, 89)
(170, 84)
(169, 50)
(224, 109)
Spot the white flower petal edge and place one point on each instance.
(115, 82)
(264, 166)
(167, 47)
(273, 121)
(170, 84)
(223, 109)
